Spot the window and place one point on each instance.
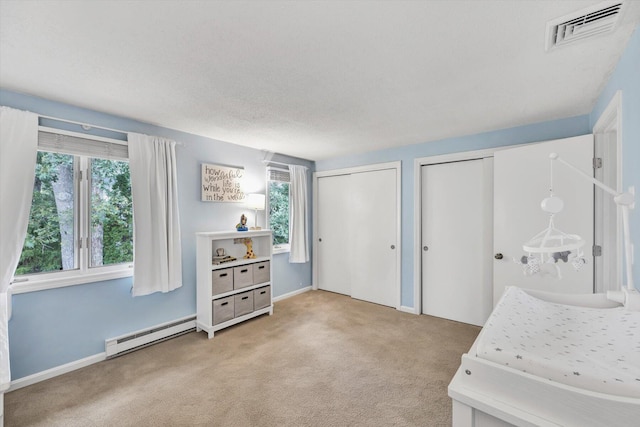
(49, 244)
(111, 213)
(278, 183)
(81, 220)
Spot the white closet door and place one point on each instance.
(457, 240)
(334, 222)
(373, 235)
(521, 182)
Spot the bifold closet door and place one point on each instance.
(457, 222)
(334, 221)
(373, 237)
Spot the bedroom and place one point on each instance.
(68, 326)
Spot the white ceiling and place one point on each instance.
(309, 79)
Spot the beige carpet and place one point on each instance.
(322, 359)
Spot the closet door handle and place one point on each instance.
(393, 246)
(425, 248)
(498, 256)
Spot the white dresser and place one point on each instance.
(230, 292)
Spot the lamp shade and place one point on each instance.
(255, 201)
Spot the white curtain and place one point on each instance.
(18, 153)
(298, 215)
(157, 257)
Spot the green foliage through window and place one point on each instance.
(111, 213)
(51, 242)
(50, 216)
(279, 211)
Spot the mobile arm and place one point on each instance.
(626, 201)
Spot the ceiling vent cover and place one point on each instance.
(586, 23)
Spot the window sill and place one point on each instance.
(34, 284)
(281, 249)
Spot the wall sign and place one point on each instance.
(222, 183)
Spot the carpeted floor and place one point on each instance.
(322, 359)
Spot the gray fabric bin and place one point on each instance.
(242, 276)
(223, 309)
(261, 272)
(243, 303)
(262, 297)
(221, 281)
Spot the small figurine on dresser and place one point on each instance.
(242, 225)
(249, 244)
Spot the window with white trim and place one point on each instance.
(81, 221)
(278, 183)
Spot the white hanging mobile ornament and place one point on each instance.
(552, 243)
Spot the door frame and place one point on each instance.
(610, 119)
(397, 166)
(417, 207)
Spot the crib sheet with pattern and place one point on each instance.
(591, 348)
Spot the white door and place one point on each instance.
(457, 240)
(373, 225)
(357, 242)
(521, 181)
(334, 223)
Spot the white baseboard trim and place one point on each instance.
(54, 372)
(291, 294)
(409, 310)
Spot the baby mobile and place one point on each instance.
(552, 245)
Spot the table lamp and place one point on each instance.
(257, 203)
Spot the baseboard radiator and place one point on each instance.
(124, 344)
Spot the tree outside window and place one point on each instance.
(278, 195)
(111, 213)
(54, 239)
(279, 212)
(49, 244)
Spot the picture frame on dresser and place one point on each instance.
(232, 292)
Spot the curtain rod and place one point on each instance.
(275, 163)
(86, 126)
(282, 164)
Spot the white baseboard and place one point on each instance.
(290, 294)
(409, 310)
(72, 366)
(54, 372)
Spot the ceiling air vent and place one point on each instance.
(598, 19)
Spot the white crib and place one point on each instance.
(487, 392)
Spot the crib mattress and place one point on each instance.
(595, 349)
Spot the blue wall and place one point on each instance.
(58, 326)
(626, 78)
(520, 135)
